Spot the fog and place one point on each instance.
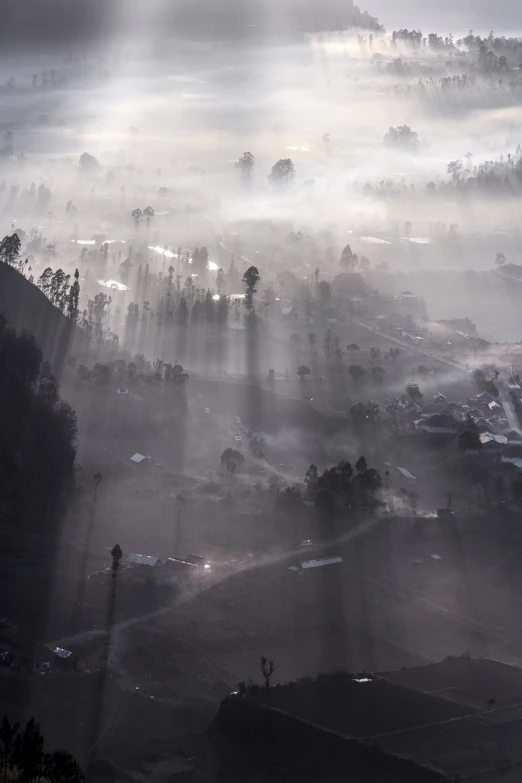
(259, 299)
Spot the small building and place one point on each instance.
(405, 473)
(438, 424)
(516, 461)
(65, 660)
(491, 442)
(32, 657)
(146, 560)
(484, 398)
(139, 459)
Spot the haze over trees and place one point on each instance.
(260, 370)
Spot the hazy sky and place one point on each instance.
(503, 16)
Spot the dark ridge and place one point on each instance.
(25, 307)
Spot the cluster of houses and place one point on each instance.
(151, 570)
(32, 657)
(443, 418)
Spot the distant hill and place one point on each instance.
(26, 307)
(44, 22)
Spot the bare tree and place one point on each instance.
(267, 670)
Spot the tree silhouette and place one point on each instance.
(96, 480)
(267, 670)
(251, 278)
(413, 392)
(245, 164)
(357, 372)
(303, 371)
(116, 554)
(282, 172)
(10, 249)
(233, 460)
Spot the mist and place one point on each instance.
(260, 397)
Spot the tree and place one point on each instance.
(348, 259)
(361, 465)
(375, 353)
(251, 278)
(469, 441)
(136, 215)
(324, 503)
(245, 165)
(28, 756)
(88, 163)
(310, 480)
(96, 481)
(267, 670)
(378, 374)
(363, 414)
(24, 758)
(411, 498)
(369, 481)
(312, 339)
(402, 137)
(271, 376)
(325, 292)
(413, 392)
(10, 249)
(233, 460)
(183, 312)
(500, 259)
(275, 483)
(116, 554)
(328, 344)
(352, 347)
(357, 372)
(337, 479)
(74, 297)
(394, 353)
(31, 404)
(220, 281)
(62, 767)
(148, 212)
(303, 371)
(282, 172)
(455, 169)
(8, 736)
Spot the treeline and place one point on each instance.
(130, 375)
(56, 286)
(342, 488)
(23, 756)
(37, 429)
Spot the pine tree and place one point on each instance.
(10, 249)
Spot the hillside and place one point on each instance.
(26, 307)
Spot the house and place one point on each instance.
(139, 459)
(405, 473)
(176, 570)
(484, 398)
(516, 461)
(65, 659)
(492, 443)
(438, 424)
(32, 657)
(513, 437)
(147, 560)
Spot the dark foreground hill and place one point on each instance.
(25, 307)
